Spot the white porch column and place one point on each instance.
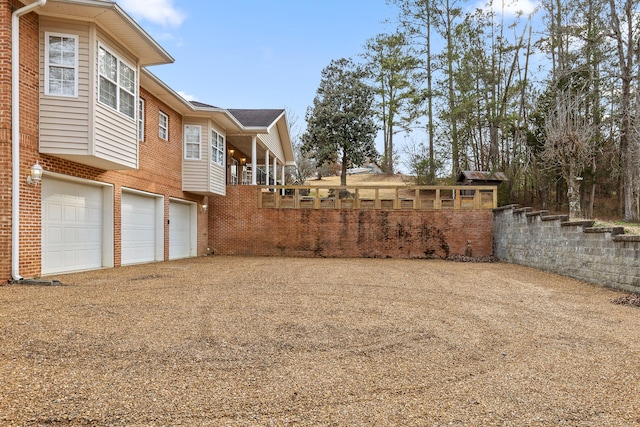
(254, 161)
(266, 167)
(275, 170)
(283, 178)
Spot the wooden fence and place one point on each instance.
(378, 197)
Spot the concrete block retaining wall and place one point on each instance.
(599, 255)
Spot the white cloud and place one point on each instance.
(516, 7)
(512, 8)
(187, 96)
(161, 12)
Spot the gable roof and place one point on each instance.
(257, 118)
(267, 121)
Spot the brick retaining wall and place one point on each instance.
(598, 255)
(238, 227)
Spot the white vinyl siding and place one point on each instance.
(205, 175)
(82, 129)
(116, 134)
(192, 142)
(64, 121)
(195, 173)
(218, 179)
(116, 139)
(116, 83)
(195, 176)
(163, 126)
(272, 142)
(61, 64)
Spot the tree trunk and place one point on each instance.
(432, 159)
(455, 149)
(573, 195)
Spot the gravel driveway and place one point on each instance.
(226, 341)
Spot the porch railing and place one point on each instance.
(377, 197)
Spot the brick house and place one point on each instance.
(128, 165)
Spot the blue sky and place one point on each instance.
(262, 53)
(256, 53)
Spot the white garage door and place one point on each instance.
(138, 228)
(180, 230)
(71, 226)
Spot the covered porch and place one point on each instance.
(249, 163)
(260, 154)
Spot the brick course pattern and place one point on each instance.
(238, 227)
(598, 255)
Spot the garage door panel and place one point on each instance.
(87, 235)
(53, 211)
(180, 230)
(138, 228)
(71, 226)
(89, 257)
(70, 211)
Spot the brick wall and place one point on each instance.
(238, 227)
(597, 255)
(30, 224)
(5, 137)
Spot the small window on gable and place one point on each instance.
(117, 83)
(163, 126)
(141, 119)
(192, 142)
(61, 65)
(217, 148)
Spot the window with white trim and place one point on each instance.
(61, 64)
(117, 83)
(163, 126)
(217, 148)
(192, 140)
(141, 119)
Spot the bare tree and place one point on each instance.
(305, 166)
(569, 143)
(419, 162)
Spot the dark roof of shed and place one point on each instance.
(482, 176)
(256, 118)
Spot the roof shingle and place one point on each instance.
(256, 118)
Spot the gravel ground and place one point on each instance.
(226, 341)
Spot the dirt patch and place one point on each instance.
(230, 341)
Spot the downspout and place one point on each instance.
(15, 135)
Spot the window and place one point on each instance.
(117, 83)
(217, 148)
(141, 119)
(192, 138)
(163, 126)
(61, 65)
